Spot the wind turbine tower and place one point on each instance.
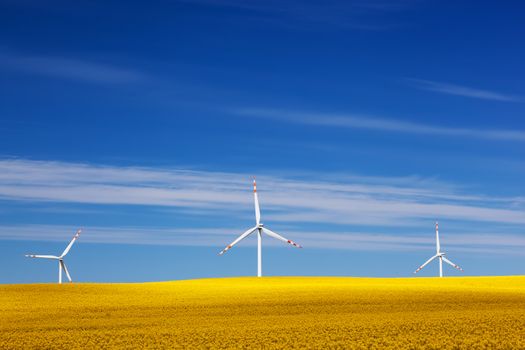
(260, 229)
(440, 255)
(60, 259)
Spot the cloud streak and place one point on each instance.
(347, 200)
(67, 68)
(458, 90)
(219, 237)
(356, 14)
(380, 124)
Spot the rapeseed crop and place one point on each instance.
(269, 312)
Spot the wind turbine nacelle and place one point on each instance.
(261, 225)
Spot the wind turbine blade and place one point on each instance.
(425, 264)
(42, 256)
(240, 238)
(279, 237)
(65, 270)
(452, 264)
(71, 243)
(256, 199)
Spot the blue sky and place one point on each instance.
(364, 122)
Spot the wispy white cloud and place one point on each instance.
(68, 68)
(219, 237)
(372, 123)
(348, 200)
(459, 90)
(355, 14)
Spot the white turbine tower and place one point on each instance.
(439, 255)
(259, 227)
(61, 264)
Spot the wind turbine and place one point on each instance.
(439, 255)
(61, 264)
(260, 229)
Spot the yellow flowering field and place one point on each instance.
(268, 312)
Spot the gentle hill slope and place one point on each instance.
(278, 312)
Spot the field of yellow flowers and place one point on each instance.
(269, 312)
